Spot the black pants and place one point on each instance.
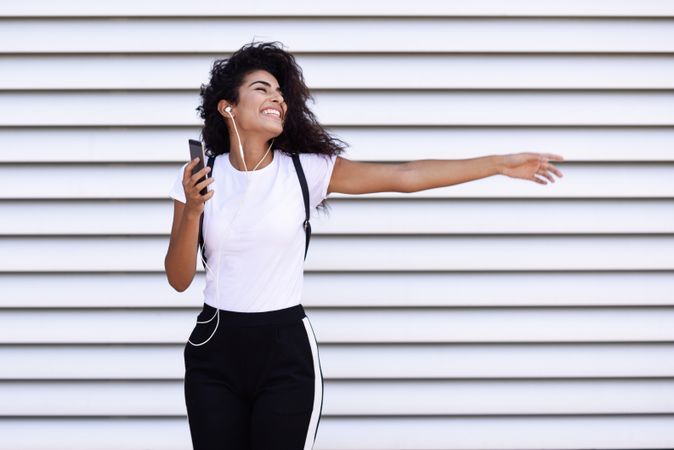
(256, 384)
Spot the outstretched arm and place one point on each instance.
(434, 173)
(353, 177)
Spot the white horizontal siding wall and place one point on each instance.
(496, 314)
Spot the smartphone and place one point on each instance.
(197, 151)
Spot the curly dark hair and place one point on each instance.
(301, 131)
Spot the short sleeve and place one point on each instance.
(318, 171)
(177, 191)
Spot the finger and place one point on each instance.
(199, 186)
(538, 180)
(543, 172)
(554, 156)
(202, 198)
(554, 170)
(188, 169)
(200, 174)
(193, 163)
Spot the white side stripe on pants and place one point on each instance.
(318, 387)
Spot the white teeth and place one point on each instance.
(272, 111)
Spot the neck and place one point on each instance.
(253, 150)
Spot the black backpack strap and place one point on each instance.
(305, 194)
(211, 160)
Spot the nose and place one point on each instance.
(278, 97)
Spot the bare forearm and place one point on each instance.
(181, 258)
(434, 173)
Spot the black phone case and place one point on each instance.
(197, 151)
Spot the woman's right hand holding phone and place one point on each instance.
(195, 201)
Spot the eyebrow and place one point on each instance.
(263, 82)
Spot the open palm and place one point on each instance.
(528, 166)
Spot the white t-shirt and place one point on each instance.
(258, 264)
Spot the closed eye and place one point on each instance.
(265, 90)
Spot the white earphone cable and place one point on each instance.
(206, 265)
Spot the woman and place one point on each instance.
(253, 378)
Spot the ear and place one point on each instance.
(223, 108)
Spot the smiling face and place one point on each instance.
(261, 107)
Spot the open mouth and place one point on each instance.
(272, 114)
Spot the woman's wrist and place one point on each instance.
(500, 163)
(191, 215)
